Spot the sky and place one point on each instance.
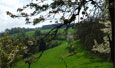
(8, 22)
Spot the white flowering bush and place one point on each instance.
(101, 48)
(105, 46)
(70, 38)
(10, 51)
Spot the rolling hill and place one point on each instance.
(52, 58)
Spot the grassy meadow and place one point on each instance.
(52, 58)
(59, 56)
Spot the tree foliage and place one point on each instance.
(10, 51)
(89, 30)
(37, 32)
(105, 46)
(67, 9)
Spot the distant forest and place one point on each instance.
(54, 25)
(21, 30)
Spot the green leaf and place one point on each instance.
(85, 9)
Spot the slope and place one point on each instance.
(82, 59)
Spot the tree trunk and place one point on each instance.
(10, 65)
(29, 65)
(111, 11)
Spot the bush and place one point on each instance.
(37, 32)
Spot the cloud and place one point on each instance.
(12, 5)
(8, 22)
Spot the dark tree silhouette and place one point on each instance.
(111, 12)
(42, 45)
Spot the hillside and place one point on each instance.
(43, 31)
(52, 59)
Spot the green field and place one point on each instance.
(51, 58)
(31, 33)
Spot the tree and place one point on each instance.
(29, 59)
(37, 32)
(10, 51)
(104, 47)
(69, 38)
(89, 30)
(68, 10)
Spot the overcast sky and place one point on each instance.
(8, 22)
(12, 5)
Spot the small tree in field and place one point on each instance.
(37, 32)
(29, 59)
(70, 39)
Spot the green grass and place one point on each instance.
(30, 33)
(52, 59)
(60, 30)
(13, 35)
(45, 30)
